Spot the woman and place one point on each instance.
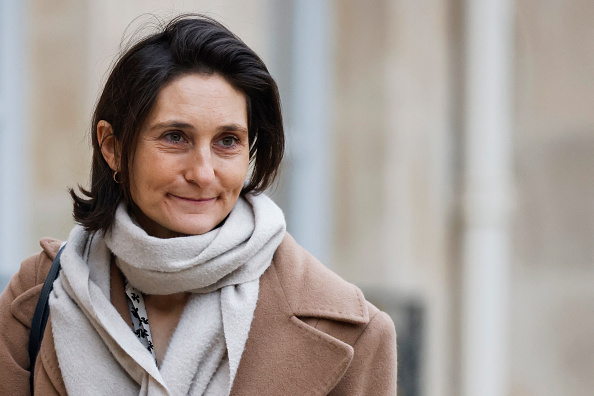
(179, 277)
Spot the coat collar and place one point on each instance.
(283, 355)
(312, 290)
(50, 246)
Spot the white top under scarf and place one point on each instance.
(139, 317)
(221, 268)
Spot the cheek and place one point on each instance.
(136, 186)
(149, 173)
(235, 173)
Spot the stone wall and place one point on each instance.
(552, 297)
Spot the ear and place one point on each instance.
(107, 143)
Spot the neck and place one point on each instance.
(166, 302)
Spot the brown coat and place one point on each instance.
(312, 333)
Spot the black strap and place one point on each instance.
(41, 314)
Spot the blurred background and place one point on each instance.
(440, 156)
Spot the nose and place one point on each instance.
(200, 169)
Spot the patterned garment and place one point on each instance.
(139, 317)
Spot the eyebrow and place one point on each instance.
(172, 124)
(233, 127)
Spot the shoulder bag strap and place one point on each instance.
(41, 314)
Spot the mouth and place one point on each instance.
(193, 199)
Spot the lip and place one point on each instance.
(193, 200)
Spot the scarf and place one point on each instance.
(100, 355)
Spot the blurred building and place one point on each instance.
(441, 157)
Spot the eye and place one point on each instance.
(174, 137)
(228, 141)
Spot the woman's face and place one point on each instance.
(192, 157)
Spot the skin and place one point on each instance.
(187, 171)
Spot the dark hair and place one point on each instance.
(187, 44)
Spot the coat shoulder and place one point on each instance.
(23, 290)
(17, 305)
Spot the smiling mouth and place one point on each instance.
(194, 200)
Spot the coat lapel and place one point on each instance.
(49, 360)
(283, 355)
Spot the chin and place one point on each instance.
(177, 229)
(194, 228)
(197, 231)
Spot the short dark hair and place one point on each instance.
(190, 43)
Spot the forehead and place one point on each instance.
(198, 96)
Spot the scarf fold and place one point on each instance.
(221, 268)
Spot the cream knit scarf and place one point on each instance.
(100, 355)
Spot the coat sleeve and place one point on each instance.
(17, 305)
(373, 368)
